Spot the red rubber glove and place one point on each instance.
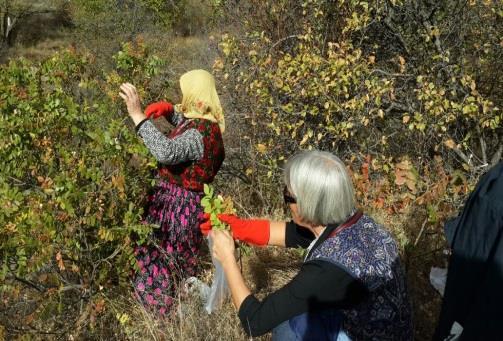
(159, 109)
(251, 231)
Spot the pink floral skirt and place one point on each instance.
(172, 254)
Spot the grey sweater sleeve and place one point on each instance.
(186, 147)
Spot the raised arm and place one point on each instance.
(259, 232)
(188, 146)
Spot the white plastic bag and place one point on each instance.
(438, 278)
(196, 287)
(219, 288)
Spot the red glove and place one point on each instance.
(159, 109)
(251, 231)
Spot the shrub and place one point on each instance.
(72, 179)
(338, 83)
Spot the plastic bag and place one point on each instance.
(196, 286)
(219, 288)
(438, 278)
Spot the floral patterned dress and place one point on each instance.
(189, 157)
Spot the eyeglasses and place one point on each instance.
(288, 197)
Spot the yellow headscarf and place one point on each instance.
(200, 98)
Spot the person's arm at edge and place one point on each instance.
(287, 234)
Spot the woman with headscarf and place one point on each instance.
(189, 156)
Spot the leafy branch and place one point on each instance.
(215, 205)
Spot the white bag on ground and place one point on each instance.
(197, 287)
(219, 288)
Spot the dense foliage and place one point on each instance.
(393, 81)
(407, 92)
(72, 177)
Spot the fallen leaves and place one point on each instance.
(406, 175)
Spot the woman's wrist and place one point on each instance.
(137, 117)
(237, 285)
(229, 261)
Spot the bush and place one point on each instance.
(72, 179)
(337, 81)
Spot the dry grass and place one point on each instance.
(182, 53)
(40, 51)
(188, 322)
(265, 270)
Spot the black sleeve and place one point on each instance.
(297, 236)
(138, 126)
(318, 285)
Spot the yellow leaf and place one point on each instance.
(404, 165)
(261, 148)
(450, 144)
(406, 119)
(402, 63)
(119, 182)
(304, 139)
(218, 64)
(411, 185)
(404, 174)
(59, 260)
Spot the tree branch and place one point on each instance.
(399, 106)
(387, 23)
(282, 40)
(436, 38)
(39, 288)
(463, 156)
(497, 155)
(406, 75)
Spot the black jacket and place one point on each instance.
(474, 289)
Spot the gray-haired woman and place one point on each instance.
(351, 285)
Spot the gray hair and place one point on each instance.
(321, 185)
